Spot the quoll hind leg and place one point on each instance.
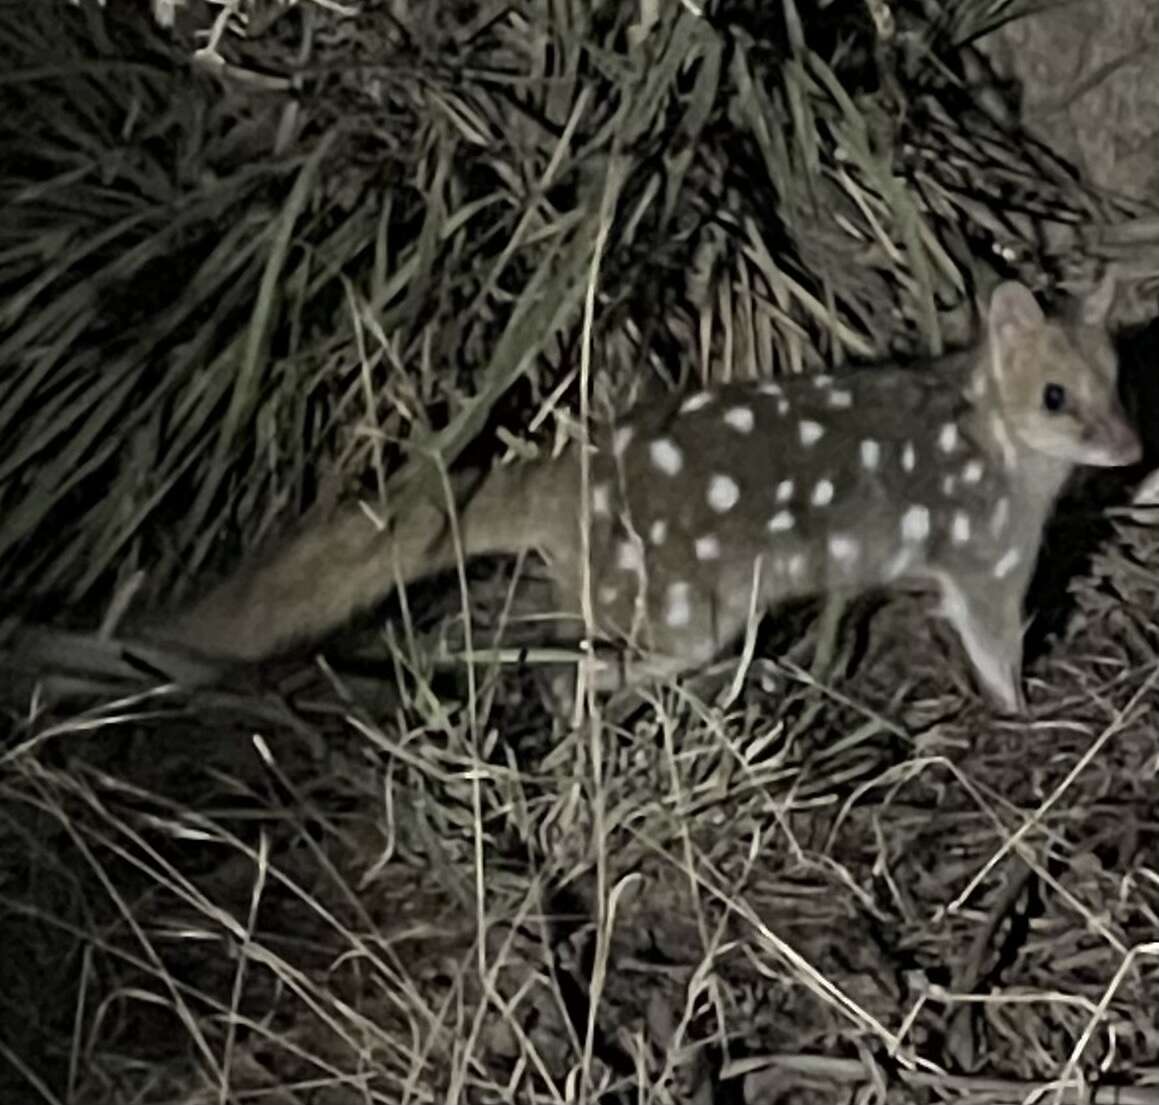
(683, 629)
(986, 612)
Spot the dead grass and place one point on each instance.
(823, 872)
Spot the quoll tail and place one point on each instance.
(333, 569)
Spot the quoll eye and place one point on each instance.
(1054, 397)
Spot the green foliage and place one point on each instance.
(222, 300)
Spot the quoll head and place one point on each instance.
(1056, 378)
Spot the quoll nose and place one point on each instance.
(1123, 444)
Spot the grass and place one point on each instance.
(825, 872)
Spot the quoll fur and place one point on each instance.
(942, 476)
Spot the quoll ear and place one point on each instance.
(1013, 311)
(1096, 304)
(1014, 315)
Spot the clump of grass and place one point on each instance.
(347, 244)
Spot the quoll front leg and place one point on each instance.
(986, 612)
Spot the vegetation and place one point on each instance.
(277, 254)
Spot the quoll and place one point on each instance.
(942, 475)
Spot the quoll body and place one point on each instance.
(943, 475)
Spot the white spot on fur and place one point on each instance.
(822, 380)
(601, 500)
(659, 532)
(948, 437)
(609, 594)
(770, 389)
(811, 432)
(972, 471)
(908, 456)
(695, 402)
(842, 547)
(740, 419)
(782, 406)
(915, 523)
(949, 485)
(823, 493)
(784, 491)
(796, 565)
(621, 439)
(723, 493)
(781, 522)
(960, 528)
(666, 456)
(1007, 563)
(840, 399)
(870, 454)
(628, 557)
(679, 608)
(707, 548)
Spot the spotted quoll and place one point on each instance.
(942, 475)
